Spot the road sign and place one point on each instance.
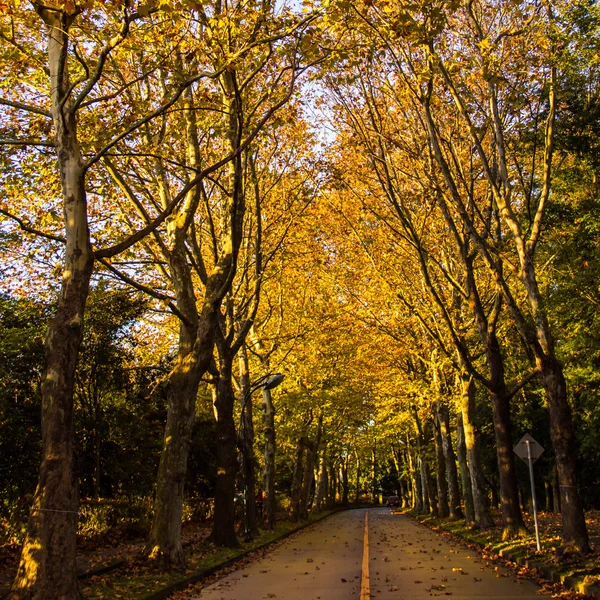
(534, 451)
(529, 451)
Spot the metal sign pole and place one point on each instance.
(535, 514)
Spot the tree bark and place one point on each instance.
(442, 483)
(425, 487)
(417, 505)
(223, 532)
(358, 473)
(574, 529)
(465, 477)
(248, 441)
(196, 341)
(269, 468)
(512, 519)
(309, 469)
(297, 479)
(321, 492)
(47, 568)
(332, 481)
(374, 473)
(345, 487)
(450, 458)
(307, 478)
(483, 518)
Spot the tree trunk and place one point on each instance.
(309, 470)
(483, 518)
(450, 459)
(223, 532)
(512, 519)
(269, 468)
(297, 480)
(47, 568)
(321, 492)
(424, 487)
(442, 484)
(465, 477)
(574, 529)
(332, 480)
(248, 441)
(195, 352)
(164, 543)
(357, 494)
(417, 505)
(345, 488)
(374, 469)
(307, 478)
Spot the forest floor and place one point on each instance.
(134, 578)
(578, 573)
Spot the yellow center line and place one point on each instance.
(365, 584)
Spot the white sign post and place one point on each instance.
(528, 450)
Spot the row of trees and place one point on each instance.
(453, 136)
(400, 239)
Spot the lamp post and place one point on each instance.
(267, 382)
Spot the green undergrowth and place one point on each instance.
(136, 579)
(523, 549)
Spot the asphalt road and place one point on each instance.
(402, 561)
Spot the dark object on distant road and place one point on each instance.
(393, 501)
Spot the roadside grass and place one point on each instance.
(523, 551)
(137, 579)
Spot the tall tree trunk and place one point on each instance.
(164, 543)
(332, 480)
(431, 489)
(195, 354)
(574, 529)
(465, 477)
(269, 467)
(425, 487)
(442, 483)
(450, 458)
(309, 470)
(345, 487)
(47, 568)
(195, 351)
(307, 478)
(483, 518)
(321, 492)
(374, 473)
(223, 532)
(248, 442)
(297, 479)
(358, 473)
(417, 505)
(512, 519)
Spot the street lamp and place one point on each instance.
(267, 382)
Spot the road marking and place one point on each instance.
(365, 583)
